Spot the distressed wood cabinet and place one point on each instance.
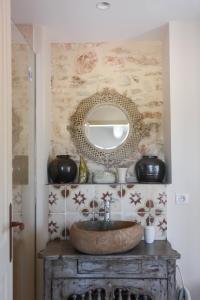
(148, 272)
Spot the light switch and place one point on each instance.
(182, 199)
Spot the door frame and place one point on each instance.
(6, 272)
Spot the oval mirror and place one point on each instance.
(106, 126)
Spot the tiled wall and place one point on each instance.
(143, 203)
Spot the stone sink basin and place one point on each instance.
(99, 237)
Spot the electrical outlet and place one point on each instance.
(182, 199)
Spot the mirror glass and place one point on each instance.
(106, 126)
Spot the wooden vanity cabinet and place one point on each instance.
(148, 272)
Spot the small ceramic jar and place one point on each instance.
(121, 175)
(149, 234)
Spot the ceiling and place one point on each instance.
(81, 21)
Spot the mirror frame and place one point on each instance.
(137, 128)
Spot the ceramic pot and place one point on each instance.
(62, 169)
(150, 169)
(149, 234)
(121, 175)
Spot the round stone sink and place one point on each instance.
(99, 237)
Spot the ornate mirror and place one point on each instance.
(107, 127)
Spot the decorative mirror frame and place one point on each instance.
(137, 128)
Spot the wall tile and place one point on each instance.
(143, 203)
(133, 197)
(161, 227)
(80, 199)
(111, 193)
(56, 226)
(56, 198)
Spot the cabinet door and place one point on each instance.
(109, 289)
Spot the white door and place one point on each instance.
(5, 151)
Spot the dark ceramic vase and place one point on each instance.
(62, 169)
(150, 169)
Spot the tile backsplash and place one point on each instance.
(144, 203)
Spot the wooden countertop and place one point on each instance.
(156, 250)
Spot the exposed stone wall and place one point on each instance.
(131, 68)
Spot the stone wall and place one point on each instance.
(131, 68)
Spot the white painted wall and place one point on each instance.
(166, 97)
(184, 221)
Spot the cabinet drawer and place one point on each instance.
(109, 266)
(62, 268)
(155, 268)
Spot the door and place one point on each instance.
(5, 150)
(23, 164)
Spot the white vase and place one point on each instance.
(121, 175)
(149, 234)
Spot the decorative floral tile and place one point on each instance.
(80, 199)
(146, 197)
(133, 197)
(56, 226)
(143, 203)
(108, 192)
(157, 193)
(162, 199)
(17, 199)
(56, 198)
(161, 227)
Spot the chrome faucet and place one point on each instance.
(107, 210)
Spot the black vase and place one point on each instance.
(150, 169)
(62, 169)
